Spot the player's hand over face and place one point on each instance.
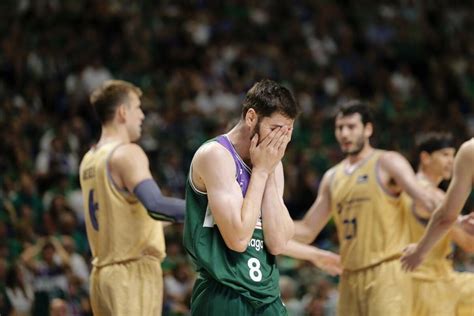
(270, 151)
(411, 258)
(467, 223)
(328, 261)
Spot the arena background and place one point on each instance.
(413, 61)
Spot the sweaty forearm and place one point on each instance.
(278, 226)
(303, 233)
(252, 204)
(298, 250)
(159, 207)
(437, 228)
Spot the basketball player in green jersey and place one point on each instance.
(362, 194)
(437, 288)
(447, 213)
(123, 209)
(236, 221)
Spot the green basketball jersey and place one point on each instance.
(253, 273)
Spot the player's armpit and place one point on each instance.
(398, 168)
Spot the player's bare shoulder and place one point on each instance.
(211, 159)
(327, 179)
(210, 154)
(389, 157)
(128, 155)
(468, 149)
(466, 157)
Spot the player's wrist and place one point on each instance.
(260, 172)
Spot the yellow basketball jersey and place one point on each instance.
(370, 222)
(438, 264)
(118, 226)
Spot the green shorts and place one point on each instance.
(211, 298)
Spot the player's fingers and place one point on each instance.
(276, 137)
(271, 136)
(254, 141)
(284, 140)
(278, 143)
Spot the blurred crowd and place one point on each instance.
(413, 61)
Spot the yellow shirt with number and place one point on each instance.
(371, 223)
(118, 226)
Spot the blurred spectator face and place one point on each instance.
(181, 272)
(26, 212)
(351, 134)
(173, 249)
(315, 307)
(440, 162)
(58, 203)
(48, 254)
(58, 307)
(68, 244)
(67, 222)
(27, 184)
(57, 145)
(134, 117)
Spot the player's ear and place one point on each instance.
(368, 129)
(121, 113)
(424, 157)
(251, 118)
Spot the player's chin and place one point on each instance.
(136, 137)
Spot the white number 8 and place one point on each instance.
(254, 266)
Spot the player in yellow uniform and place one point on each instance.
(437, 288)
(362, 193)
(122, 205)
(447, 213)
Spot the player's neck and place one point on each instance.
(362, 155)
(240, 139)
(112, 133)
(432, 178)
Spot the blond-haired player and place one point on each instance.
(122, 205)
(447, 213)
(362, 193)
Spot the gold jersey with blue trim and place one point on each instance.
(118, 226)
(371, 223)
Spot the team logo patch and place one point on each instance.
(362, 178)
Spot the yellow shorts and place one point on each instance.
(444, 297)
(130, 288)
(383, 289)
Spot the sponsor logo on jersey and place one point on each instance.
(362, 178)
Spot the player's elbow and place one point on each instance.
(237, 245)
(447, 219)
(303, 234)
(305, 239)
(276, 250)
(276, 247)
